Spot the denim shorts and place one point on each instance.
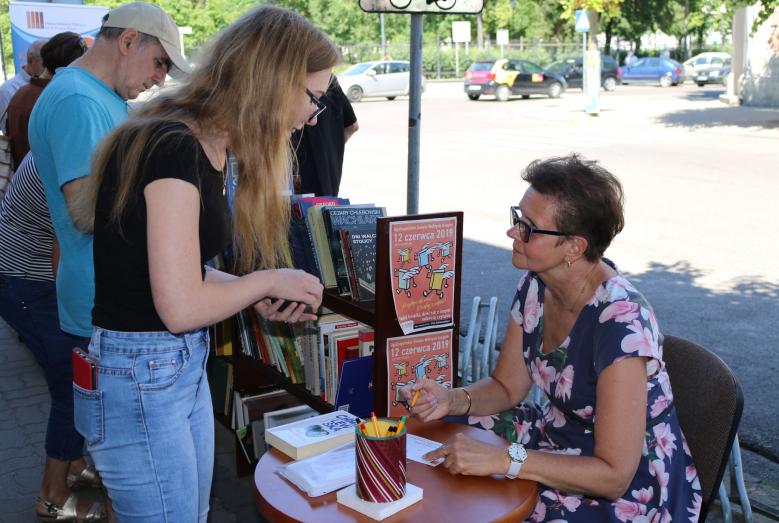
(149, 425)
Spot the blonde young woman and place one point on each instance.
(157, 196)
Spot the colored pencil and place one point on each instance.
(415, 398)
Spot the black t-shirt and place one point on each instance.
(320, 153)
(123, 298)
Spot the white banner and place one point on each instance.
(32, 21)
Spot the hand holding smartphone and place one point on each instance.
(286, 303)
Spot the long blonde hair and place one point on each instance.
(247, 84)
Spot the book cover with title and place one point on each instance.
(312, 436)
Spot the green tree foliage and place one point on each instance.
(550, 21)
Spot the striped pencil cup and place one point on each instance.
(381, 463)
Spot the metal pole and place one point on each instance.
(2, 57)
(383, 38)
(414, 114)
(686, 37)
(584, 62)
(457, 59)
(437, 57)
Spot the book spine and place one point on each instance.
(346, 252)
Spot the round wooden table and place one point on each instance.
(446, 497)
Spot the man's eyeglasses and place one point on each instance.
(525, 229)
(318, 103)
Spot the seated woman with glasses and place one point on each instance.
(607, 444)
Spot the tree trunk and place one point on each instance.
(637, 47)
(609, 32)
(592, 37)
(480, 30)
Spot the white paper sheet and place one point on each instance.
(416, 447)
(324, 472)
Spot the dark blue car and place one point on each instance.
(650, 70)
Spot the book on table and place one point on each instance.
(312, 436)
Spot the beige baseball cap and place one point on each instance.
(152, 20)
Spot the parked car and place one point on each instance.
(387, 78)
(662, 71)
(717, 75)
(704, 62)
(571, 70)
(505, 77)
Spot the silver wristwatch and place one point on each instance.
(517, 455)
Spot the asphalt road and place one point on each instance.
(701, 197)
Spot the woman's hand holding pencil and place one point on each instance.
(427, 400)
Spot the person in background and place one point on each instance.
(630, 59)
(32, 69)
(136, 47)
(320, 149)
(28, 303)
(607, 444)
(58, 52)
(156, 203)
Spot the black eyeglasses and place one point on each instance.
(525, 229)
(318, 103)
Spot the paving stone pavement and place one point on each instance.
(24, 409)
(24, 406)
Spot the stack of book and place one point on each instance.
(336, 242)
(248, 417)
(311, 354)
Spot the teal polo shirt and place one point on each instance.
(73, 114)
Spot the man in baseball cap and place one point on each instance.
(153, 21)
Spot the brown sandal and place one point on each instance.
(50, 512)
(87, 478)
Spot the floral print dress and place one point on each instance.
(615, 324)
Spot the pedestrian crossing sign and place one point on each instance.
(582, 22)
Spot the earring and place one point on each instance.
(569, 263)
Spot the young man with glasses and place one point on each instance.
(320, 148)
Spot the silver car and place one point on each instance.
(386, 78)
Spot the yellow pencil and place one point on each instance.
(375, 425)
(402, 422)
(415, 398)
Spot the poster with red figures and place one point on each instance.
(427, 355)
(422, 265)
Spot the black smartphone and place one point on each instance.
(286, 303)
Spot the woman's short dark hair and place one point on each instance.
(62, 49)
(589, 199)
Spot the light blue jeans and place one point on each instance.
(149, 426)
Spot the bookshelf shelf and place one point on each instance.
(364, 312)
(379, 315)
(270, 374)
